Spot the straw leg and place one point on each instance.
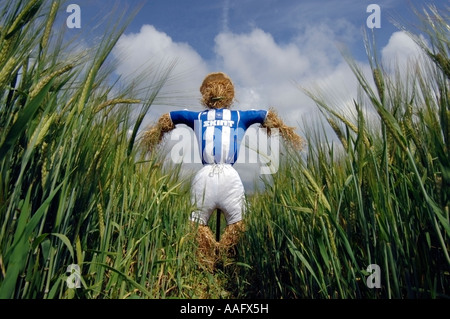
(206, 251)
(230, 238)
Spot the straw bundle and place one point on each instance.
(287, 132)
(206, 251)
(165, 123)
(230, 238)
(217, 91)
(155, 134)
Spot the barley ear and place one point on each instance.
(40, 85)
(49, 24)
(115, 102)
(379, 82)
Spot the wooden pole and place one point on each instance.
(218, 225)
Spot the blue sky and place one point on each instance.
(269, 48)
(264, 45)
(198, 22)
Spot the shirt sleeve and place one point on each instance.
(184, 117)
(251, 117)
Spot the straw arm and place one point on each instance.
(273, 121)
(155, 134)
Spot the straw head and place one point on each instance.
(217, 91)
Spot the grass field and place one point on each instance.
(76, 188)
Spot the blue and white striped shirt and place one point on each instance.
(219, 132)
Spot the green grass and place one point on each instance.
(380, 197)
(74, 188)
(77, 188)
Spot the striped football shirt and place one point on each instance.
(219, 132)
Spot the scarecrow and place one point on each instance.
(217, 185)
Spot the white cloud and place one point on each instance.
(266, 72)
(151, 49)
(256, 59)
(400, 51)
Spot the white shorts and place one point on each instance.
(217, 186)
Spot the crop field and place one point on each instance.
(87, 212)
